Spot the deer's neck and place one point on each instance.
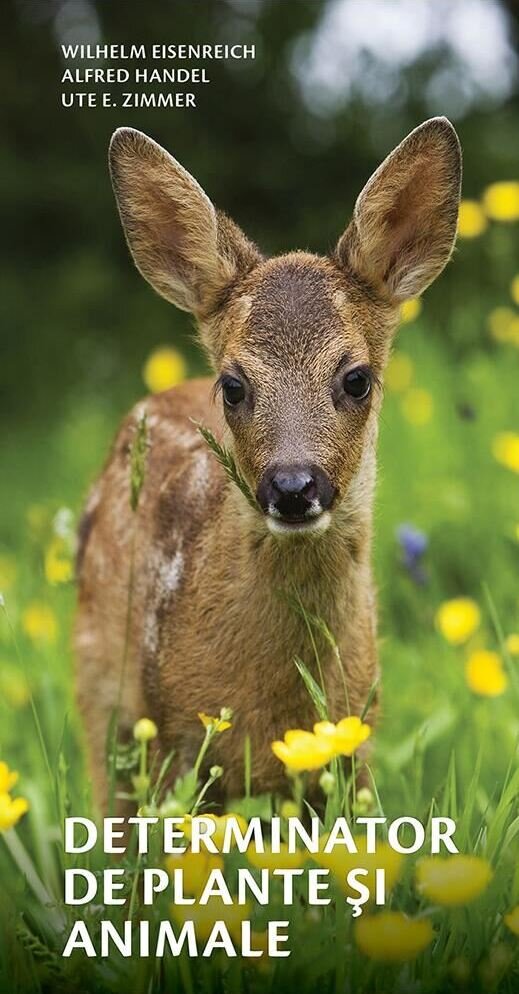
(327, 573)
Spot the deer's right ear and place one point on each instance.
(181, 245)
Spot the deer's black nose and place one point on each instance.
(295, 493)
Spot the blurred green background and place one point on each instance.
(283, 144)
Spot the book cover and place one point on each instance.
(259, 531)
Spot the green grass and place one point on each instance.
(439, 748)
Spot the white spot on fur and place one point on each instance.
(199, 472)
(170, 573)
(167, 577)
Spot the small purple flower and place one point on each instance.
(413, 544)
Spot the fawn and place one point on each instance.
(299, 344)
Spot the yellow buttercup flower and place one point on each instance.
(417, 406)
(39, 623)
(410, 309)
(220, 822)
(339, 861)
(471, 219)
(303, 751)
(11, 810)
(144, 730)
(8, 571)
(164, 368)
(514, 289)
(8, 778)
(204, 916)
(485, 674)
(512, 644)
(195, 867)
(220, 724)
(505, 448)
(392, 937)
(501, 322)
(345, 737)
(511, 920)
(501, 201)
(58, 564)
(14, 687)
(399, 373)
(284, 860)
(458, 619)
(453, 880)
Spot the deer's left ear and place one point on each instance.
(404, 223)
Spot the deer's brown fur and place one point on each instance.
(212, 623)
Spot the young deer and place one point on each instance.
(299, 344)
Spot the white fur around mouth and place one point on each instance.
(318, 523)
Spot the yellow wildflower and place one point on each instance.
(8, 571)
(39, 623)
(339, 861)
(303, 751)
(511, 920)
(11, 810)
(204, 916)
(453, 880)
(8, 778)
(217, 724)
(505, 448)
(392, 937)
(345, 737)
(485, 674)
(458, 619)
(410, 309)
(417, 406)
(164, 368)
(513, 332)
(283, 860)
(220, 822)
(512, 644)
(501, 321)
(514, 289)
(195, 867)
(501, 201)
(399, 373)
(144, 730)
(471, 219)
(13, 686)
(58, 561)
(290, 809)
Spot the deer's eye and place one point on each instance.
(233, 391)
(357, 383)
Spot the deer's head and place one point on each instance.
(298, 342)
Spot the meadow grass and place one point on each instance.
(439, 747)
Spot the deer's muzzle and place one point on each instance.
(295, 496)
